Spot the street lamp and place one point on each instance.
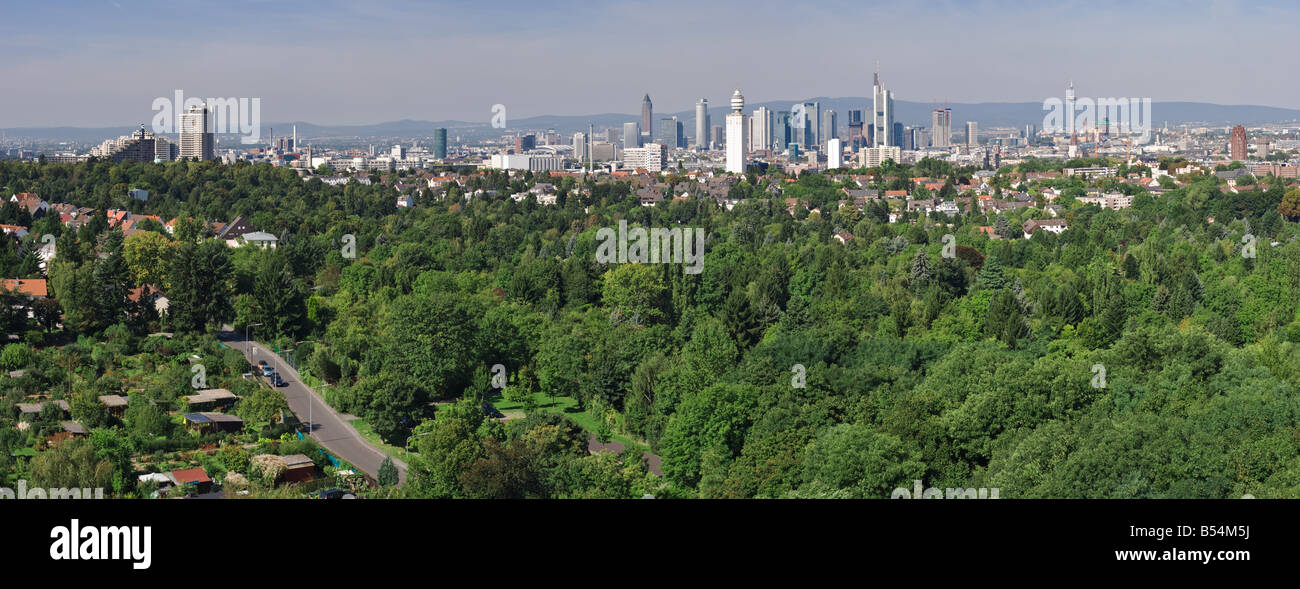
(248, 347)
(407, 449)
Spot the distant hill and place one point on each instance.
(987, 114)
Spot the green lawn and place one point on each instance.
(369, 435)
(567, 406)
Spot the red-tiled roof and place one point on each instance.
(191, 475)
(28, 286)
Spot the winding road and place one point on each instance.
(328, 428)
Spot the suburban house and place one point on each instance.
(149, 294)
(260, 239)
(35, 205)
(33, 288)
(234, 229)
(1033, 226)
(844, 237)
(16, 230)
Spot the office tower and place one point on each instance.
(781, 130)
(897, 135)
(1261, 148)
(1031, 134)
(580, 146)
(611, 135)
(872, 157)
(834, 154)
(808, 129)
(830, 126)
(972, 134)
(736, 134)
(647, 112)
(702, 123)
(718, 137)
(681, 134)
(525, 143)
(440, 143)
(882, 113)
(814, 134)
(631, 135)
(761, 129)
(668, 133)
(855, 136)
(941, 127)
(1237, 144)
(197, 140)
(652, 157)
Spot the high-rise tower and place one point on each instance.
(882, 114)
(736, 140)
(647, 118)
(197, 139)
(702, 123)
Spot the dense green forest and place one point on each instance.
(1144, 352)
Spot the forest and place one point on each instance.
(1150, 352)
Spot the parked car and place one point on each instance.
(277, 381)
(267, 370)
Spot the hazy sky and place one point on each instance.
(102, 63)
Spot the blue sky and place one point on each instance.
(102, 63)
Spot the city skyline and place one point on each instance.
(70, 74)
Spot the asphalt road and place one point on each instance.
(328, 428)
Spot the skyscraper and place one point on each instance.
(972, 134)
(197, 140)
(631, 135)
(1236, 144)
(781, 130)
(702, 123)
(941, 127)
(647, 118)
(830, 126)
(856, 138)
(834, 154)
(440, 143)
(668, 133)
(580, 146)
(761, 129)
(882, 113)
(814, 137)
(736, 134)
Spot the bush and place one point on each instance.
(15, 356)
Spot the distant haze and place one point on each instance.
(101, 64)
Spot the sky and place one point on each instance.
(102, 63)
